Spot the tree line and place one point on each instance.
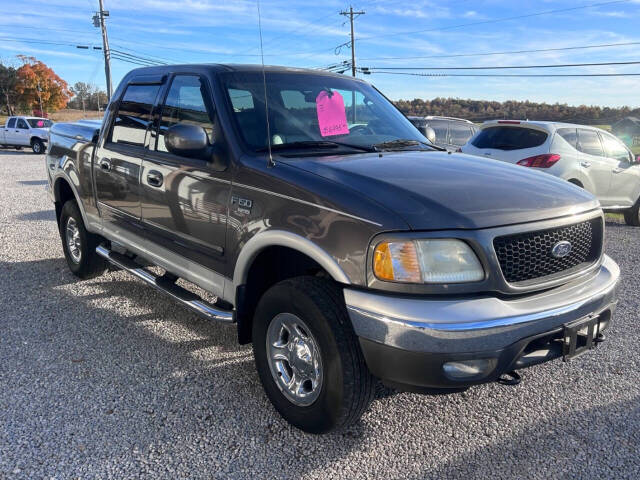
(29, 86)
(481, 110)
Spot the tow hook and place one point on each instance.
(509, 378)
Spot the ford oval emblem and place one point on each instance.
(561, 249)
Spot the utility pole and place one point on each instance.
(352, 15)
(98, 21)
(38, 89)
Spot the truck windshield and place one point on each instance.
(308, 111)
(39, 122)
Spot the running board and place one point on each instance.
(183, 296)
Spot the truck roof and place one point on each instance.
(232, 67)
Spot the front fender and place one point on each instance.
(271, 238)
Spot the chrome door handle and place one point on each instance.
(105, 164)
(154, 178)
(585, 164)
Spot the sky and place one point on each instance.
(449, 33)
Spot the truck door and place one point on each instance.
(184, 197)
(8, 131)
(118, 160)
(20, 133)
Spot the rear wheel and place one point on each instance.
(79, 245)
(632, 216)
(308, 356)
(37, 146)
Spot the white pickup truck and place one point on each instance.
(21, 132)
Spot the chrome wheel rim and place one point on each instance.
(294, 359)
(36, 147)
(73, 240)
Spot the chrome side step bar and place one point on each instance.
(183, 296)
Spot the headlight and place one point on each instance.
(427, 261)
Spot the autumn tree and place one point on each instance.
(8, 78)
(39, 85)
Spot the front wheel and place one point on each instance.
(79, 245)
(37, 146)
(632, 216)
(308, 356)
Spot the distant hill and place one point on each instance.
(481, 110)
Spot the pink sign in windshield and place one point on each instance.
(332, 117)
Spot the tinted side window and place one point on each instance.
(615, 148)
(134, 115)
(570, 135)
(509, 138)
(459, 134)
(440, 127)
(12, 123)
(22, 124)
(185, 104)
(589, 142)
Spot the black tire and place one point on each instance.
(89, 264)
(347, 385)
(632, 216)
(37, 146)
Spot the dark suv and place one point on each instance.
(336, 238)
(450, 133)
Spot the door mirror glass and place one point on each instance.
(187, 140)
(430, 133)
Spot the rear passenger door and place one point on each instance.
(118, 161)
(592, 158)
(9, 131)
(185, 198)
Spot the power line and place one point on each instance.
(511, 67)
(499, 75)
(510, 52)
(495, 20)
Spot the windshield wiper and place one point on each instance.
(316, 144)
(403, 142)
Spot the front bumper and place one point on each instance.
(406, 340)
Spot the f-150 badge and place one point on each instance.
(243, 205)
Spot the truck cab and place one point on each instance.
(20, 131)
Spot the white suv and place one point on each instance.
(585, 156)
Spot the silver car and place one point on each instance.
(450, 133)
(585, 156)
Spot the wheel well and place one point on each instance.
(33, 139)
(576, 182)
(272, 265)
(63, 192)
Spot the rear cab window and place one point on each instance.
(509, 138)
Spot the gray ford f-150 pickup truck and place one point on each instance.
(341, 243)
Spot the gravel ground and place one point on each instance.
(108, 379)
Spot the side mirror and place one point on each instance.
(187, 141)
(430, 133)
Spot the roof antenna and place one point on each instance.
(270, 162)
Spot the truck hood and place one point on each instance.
(40, 132)
(437, 190)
